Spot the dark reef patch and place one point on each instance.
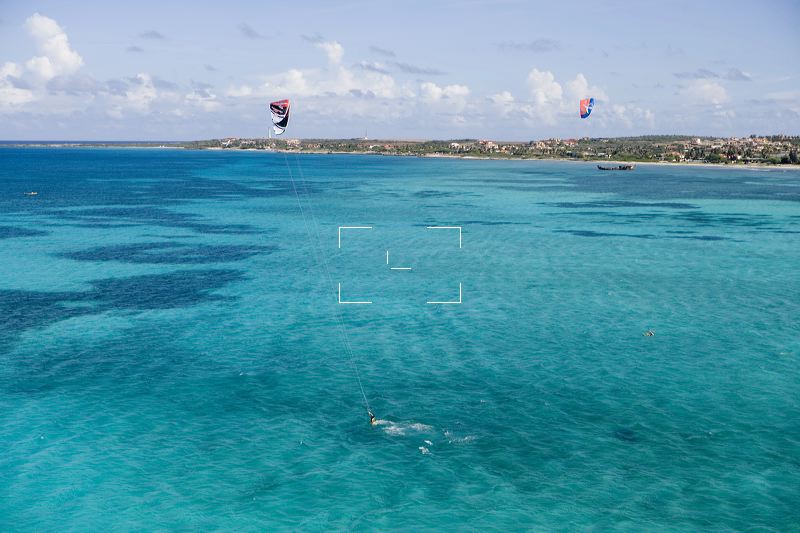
(626, 435)
(587, 233)
(24, 310)
(683, 216)
(702, 219)
(107, 217)
(168, 253)
(494, 223)
(605, 204)
(183, 288)
(703, 237)
(432, 194)
(11, 232)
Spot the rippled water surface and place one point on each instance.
(170, 354)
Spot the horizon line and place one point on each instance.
(418, 140)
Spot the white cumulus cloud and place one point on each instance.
(432, 92)
(544, 87)
(333, 50)
(57, 57)
(292, 82)
(141, 93)
(579, 88)
(631, 115)
(546, 96)
(452, 98)
(705, 92)
(238, 92)
(204, 99)
(10, 69)
(503, 101)
(337, 80)
(12, 96)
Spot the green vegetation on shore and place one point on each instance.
(769, 150)
(777, 149)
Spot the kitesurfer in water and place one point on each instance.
(649, 333)
(372, 419)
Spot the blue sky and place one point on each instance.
(502, 69)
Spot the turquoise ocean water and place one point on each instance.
(170, 356)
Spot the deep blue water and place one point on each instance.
(170, 355)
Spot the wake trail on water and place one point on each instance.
(400, 429)
(428, 432)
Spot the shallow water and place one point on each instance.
(170, 356)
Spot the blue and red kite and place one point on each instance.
(586, 107)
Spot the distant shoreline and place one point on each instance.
(603, 161)
(144, 145)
